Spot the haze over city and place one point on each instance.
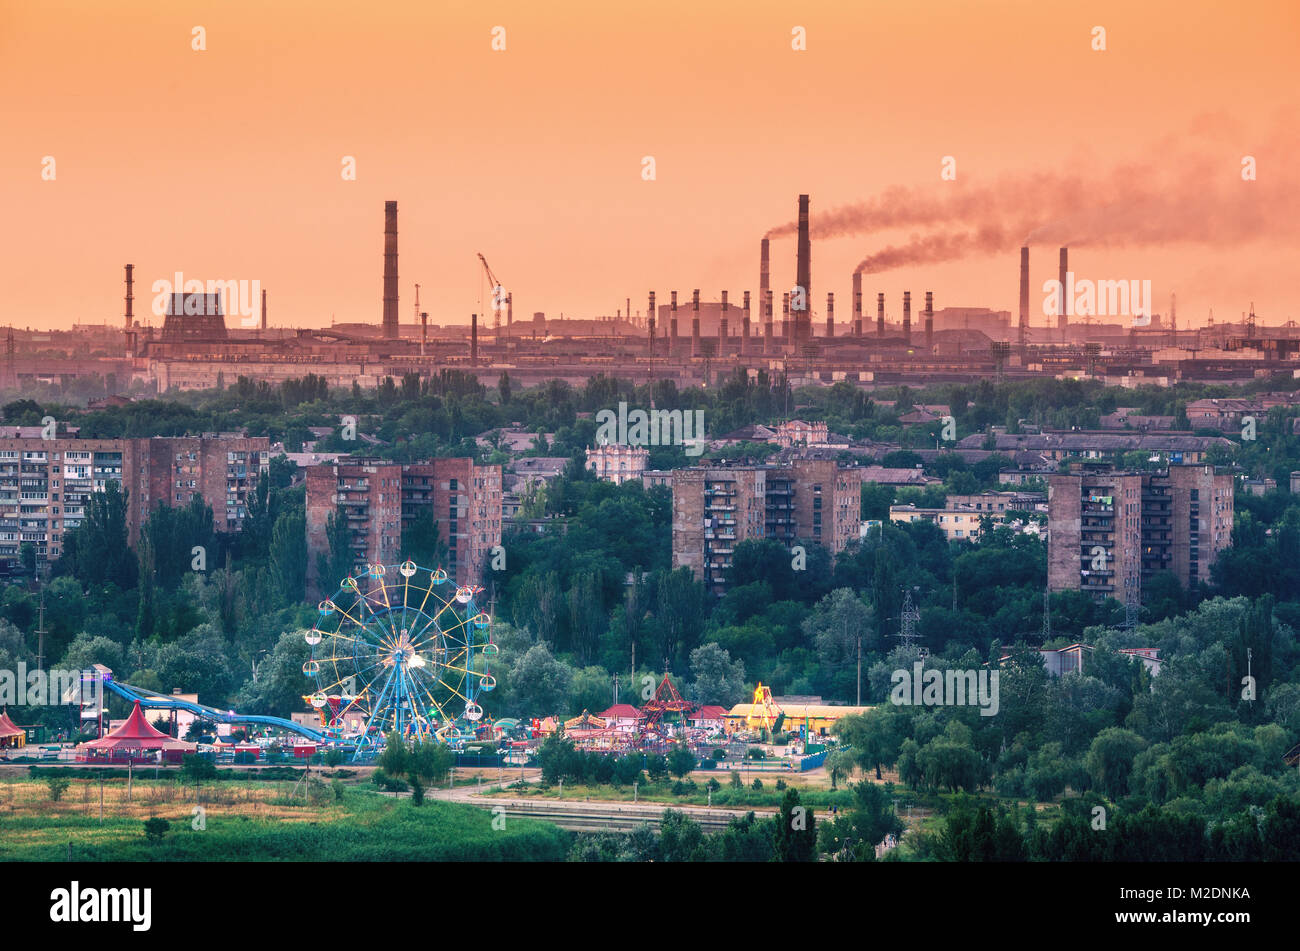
(224, 163)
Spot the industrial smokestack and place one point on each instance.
(764, 271)
(672, 327)
(695, 322)
(767, 323)
(722, 326)
(907, 317)
(1063, 318)
(424, 330)
(130, 296)
(830, 315)
(390, 270)
(651, 322)
(473, 340)
(880, 314)
(929, 319)
(1024, 295)
(263, 309)
(785, 317)
(803, 308)
(510, 309)
(744, 339)
(857, 303)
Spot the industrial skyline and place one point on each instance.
(534, 154)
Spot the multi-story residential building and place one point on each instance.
(46, 484)
(383, 499)
(715, 508)
(1108, 530)
(222, 468)
(617, 462)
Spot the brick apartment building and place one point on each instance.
(45, 484)
(1109, 530)
(714, 508)
(381, 498)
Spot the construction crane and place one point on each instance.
(498, 299)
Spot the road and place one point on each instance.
(581, 815)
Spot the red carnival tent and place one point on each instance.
(11, 734)
(135, 740)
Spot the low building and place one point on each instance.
(819, 718)
(956, 524)
(617, 463)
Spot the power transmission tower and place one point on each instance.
(1047, 615)
(907, 622)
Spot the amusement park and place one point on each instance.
(401, 650)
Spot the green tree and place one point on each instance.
(795, 835)
(289, 555)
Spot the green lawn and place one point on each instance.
(363, 826)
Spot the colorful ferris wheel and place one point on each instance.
(400, 649)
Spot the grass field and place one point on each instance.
(257, 821)
(769, 797)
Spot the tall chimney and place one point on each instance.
(390, 270)
(907, 317)
(129, 296)
(880, 314)
(929, 319)
(764, 271)
(767, 323)
(510, 309)
(857, 303)
(651, 323)
(830, 315)
(424, 330)
(785, 317)
(1024, 296)
(1063, 318)
(672, 327)
(473, 340)
(803, 266)
(695, 322)
(264, 309)
(744, 339)
(722, 327)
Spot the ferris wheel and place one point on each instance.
(404, 650)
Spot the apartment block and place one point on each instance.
(1108, 530)
(46, 484)
(223, 469)
(382, 499)
(715, 508)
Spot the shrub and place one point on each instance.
(155, 828)
(334, 758)
(780, 784)
(58, 786)
(735, 780)
(757, 784)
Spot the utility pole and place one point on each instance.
(40, 623)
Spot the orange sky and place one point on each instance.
(226, 163)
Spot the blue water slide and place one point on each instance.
(150, 700)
